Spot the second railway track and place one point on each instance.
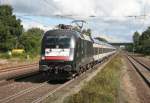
(142, 69)
(21, 71)
(7, 69)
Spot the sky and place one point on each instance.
(114, 20)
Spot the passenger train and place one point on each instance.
(65, 52)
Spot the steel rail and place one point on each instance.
(11, 97)
(144, 65)
(17, 67)
(138, 71)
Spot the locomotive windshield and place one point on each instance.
(57, 42)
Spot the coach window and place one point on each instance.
(101, 50)
(94, 51)
(104, 50)
(97, 51)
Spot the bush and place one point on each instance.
(5, 56)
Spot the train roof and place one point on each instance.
(61, 32)
(69, 32)
(102, 43)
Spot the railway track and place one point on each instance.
(16, 72)
(47, 87)
(27, 94)
(7, 69)
(142, 69)
(16, 95)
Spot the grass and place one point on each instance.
(20, 57)
(4, 56)
(103, 88)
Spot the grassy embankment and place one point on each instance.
(103, 88)
(20, 57)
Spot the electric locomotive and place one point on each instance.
(65, 52)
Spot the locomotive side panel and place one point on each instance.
(83, 53)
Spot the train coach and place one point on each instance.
(102, 50)
(67, 52)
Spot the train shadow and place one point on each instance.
(57, 81)
(39, 78)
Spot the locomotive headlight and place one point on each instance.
(71, 57)
(42, 57)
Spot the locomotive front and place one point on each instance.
(57, 51)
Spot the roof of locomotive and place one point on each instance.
(62, 32)
(67, 32)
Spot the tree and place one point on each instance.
(10, 28)
(146, 47)
(145, 41)
(129, 47)
(31, 40)
(101, 39)
(136, 37)
(141, 43)
(87, 32)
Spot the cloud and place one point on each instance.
(82, 8)
(111, 15)
(28, 24)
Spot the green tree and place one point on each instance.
(10, 28)
(87, 32)
(146, 47)
(101, 39)
(136, 37)
(145, 42)
(129, 48)
(31, 40)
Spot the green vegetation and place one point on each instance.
(87, 32)
(144, 42)
(10, 29)
(136, 38)
(30, 41)
(141, 43)
(129, 48)
(13, 36)
(101, 89)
